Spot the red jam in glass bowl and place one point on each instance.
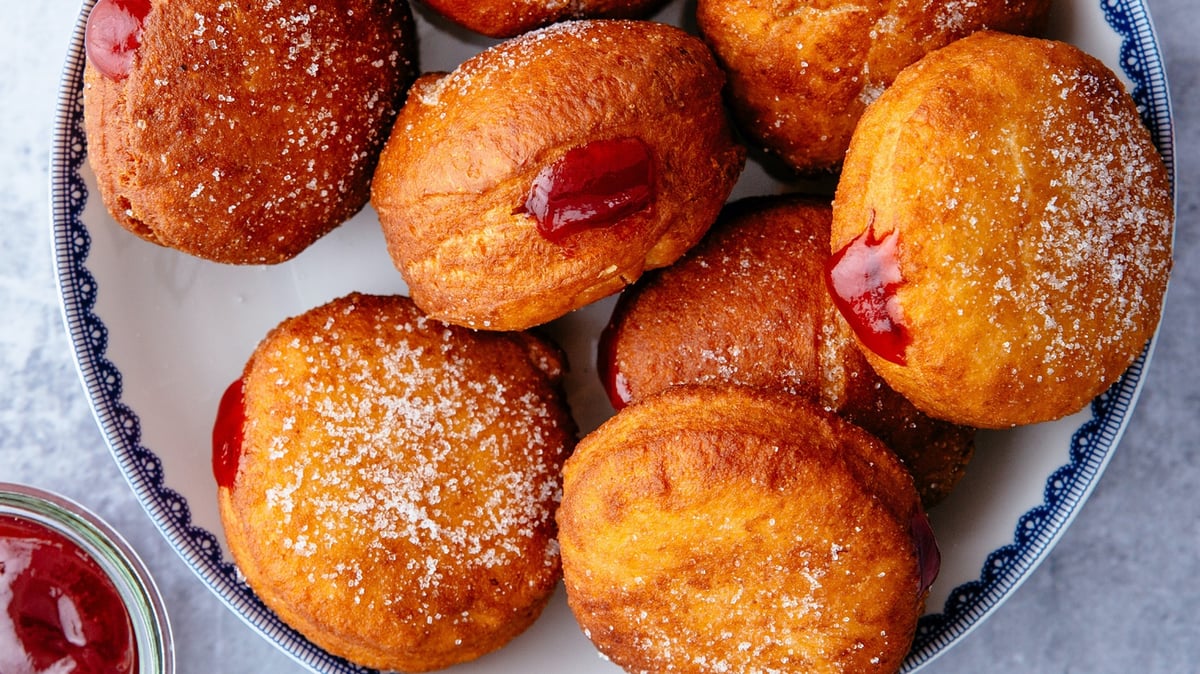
(73, 595)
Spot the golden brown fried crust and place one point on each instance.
(508, 18)
(727, 529)
(748, 305)
(245, 133)
(395, 496)
(1034, 220)
(468, 145)
(801, 73)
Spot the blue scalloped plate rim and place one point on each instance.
(1034, 535)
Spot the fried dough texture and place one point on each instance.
(469, 145)
(1019, 220)
(509, 18)
(245, 133)
(395, 494)
(801, 72)
(748, 305)
(728, 529)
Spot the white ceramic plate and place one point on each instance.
(158, 336)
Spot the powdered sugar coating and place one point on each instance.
(1035, 226)
(406, 468)
(1098, 229)
(244, 133)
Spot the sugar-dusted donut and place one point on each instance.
(1002, 231)
(728, 529)
(387, 483)
(801, 73)
(553, 169)
(749, 305)
(241, 132)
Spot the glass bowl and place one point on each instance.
(115, 558)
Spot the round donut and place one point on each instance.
(1002, 231)
(509, 18)
(387, 483)
(552, 169)
(748, 305)
(728, 529)
(241, 134)
(801, 73)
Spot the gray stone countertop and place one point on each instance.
(1118, 594)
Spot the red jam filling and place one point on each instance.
(614, 381)
(593, 185)
(929, 556)
(65, 612)
(863, 278)
(113, 35)
(227, 435)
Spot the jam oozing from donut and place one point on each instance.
(614, 381)
(863, 278)
(929, 556)
(113, 35)
(227, 435)
(65, 612)
(593, 185)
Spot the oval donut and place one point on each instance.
(468, 147)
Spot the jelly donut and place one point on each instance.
(728, 529)
(241, 134)
(748, 305)
(1002, 231)
(509, 18)
(801, 73)
(387, 483)
(552, 169)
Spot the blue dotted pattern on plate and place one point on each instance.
(1093, 443)
(141, 467)
(967, 604)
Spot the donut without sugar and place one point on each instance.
(724, 529)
